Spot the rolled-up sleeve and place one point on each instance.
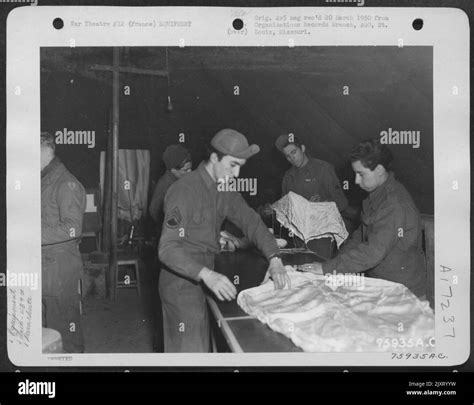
(359, 257)
(178, 214)
(251, 225)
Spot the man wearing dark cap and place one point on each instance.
(178, 163)
(194, 212)
(63, 203)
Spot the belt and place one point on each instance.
(62, 243)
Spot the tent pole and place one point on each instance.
(111, 172)
(107, 190)
(115, 151)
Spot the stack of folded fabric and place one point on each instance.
(310, 220)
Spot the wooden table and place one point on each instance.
(243, 333)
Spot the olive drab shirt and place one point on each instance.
(387, 244)
(194, 213)
(63, 203)
(315, 177)
(158, 199)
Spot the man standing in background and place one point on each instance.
(63, 203)
(178, 163)
(315, 180)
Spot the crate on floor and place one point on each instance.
(128, 273)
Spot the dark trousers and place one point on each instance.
(157, 312)
(186, 326)
(61, 271)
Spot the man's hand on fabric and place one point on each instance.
(219, 284)
(276, 271)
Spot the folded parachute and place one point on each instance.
(310, 220)
(361, 314)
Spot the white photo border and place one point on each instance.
(445, 29)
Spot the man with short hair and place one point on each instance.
(194, 212)
(387, 244)
(314, 179)
(178, 163)
(63, 203)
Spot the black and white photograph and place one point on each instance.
(254, 194)
(214, 199)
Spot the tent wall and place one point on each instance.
(281, 91)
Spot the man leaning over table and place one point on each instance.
(387, 244)
(194, 212)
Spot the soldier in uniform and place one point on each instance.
(63, 202)
(178, 163)
(387, 244)
(315, 180)
(194, 212)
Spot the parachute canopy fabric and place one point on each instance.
(343, 313)
(310, 220)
